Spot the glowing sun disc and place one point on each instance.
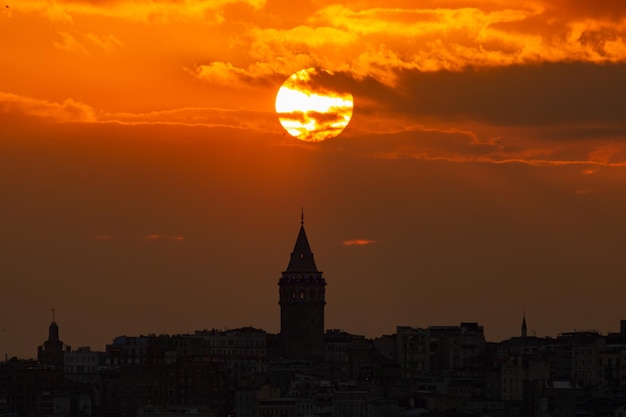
(310, 108)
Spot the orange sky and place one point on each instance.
(147, 186)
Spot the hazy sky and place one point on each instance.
(146, 185)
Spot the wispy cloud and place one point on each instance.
(69, 43)
(156, 237)
(150, 237)
(72, 111)
(67, 111)
(83, 44)
(199, 116)
(159, 11)
(358, 242)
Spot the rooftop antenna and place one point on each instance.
(302, 217)
(52, 314)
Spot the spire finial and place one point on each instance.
(302, 217)
(52, 314)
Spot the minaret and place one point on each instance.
(302, 300)
(524, 331)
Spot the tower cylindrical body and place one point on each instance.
(302, 300)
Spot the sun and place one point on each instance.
(311, 107)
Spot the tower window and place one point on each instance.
(302, 295)
(293, 294)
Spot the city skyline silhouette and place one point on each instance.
(299, 278)
(309, 370)
(470, 166)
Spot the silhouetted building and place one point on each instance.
(81, 365)
(561, 399)
(302, 300)
(29, 388)
(51, 352)
(348, 356)
(160, 370)
(412, 351)
(458, 348)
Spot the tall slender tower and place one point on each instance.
(524, 330)
(302, 300)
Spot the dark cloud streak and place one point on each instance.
(539, 95)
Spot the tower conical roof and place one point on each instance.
(302, 257)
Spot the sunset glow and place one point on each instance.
(152, 152)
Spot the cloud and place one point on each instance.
(614, 10)
(71, 111)
(77, 43)
(358, 242)
(221, 73)
(105, 42)
(476, 143)
(532, 153)
(433, 39)
(199, 116)
(541, 115)
(333, 116)
(578, 94)
(69, 43)
(301, 36)
(225, 74)
(67, 111)
(254, 41)
(478, 80)
(150, 237)
(415, 22)
(368, 40)
(154, 12)
(156, 237)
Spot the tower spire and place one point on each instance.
(302, 217)
(524, 330)
(302, 259)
